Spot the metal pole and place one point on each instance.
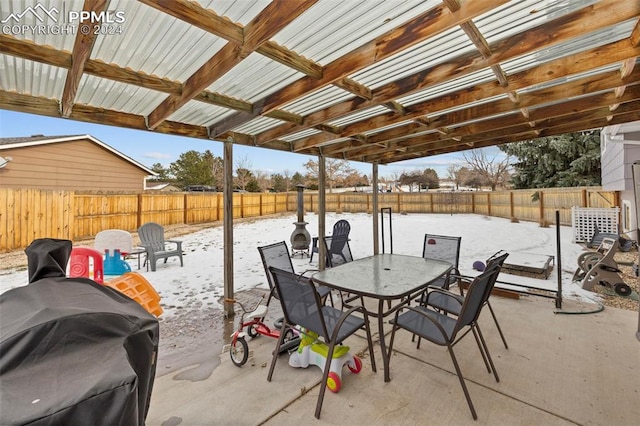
(321, 212)
(374, 192)
(228, 228)
(558, 262)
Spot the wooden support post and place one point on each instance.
(228, 229)
(541, 205)
(585, 200)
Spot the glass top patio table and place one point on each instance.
(384, 277)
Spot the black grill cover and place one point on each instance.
(72, 351)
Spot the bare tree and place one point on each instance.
(493, 170)
(453, 173)
(243, 173)
(287, 179)
(335, 171)
(263, 180)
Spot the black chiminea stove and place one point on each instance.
(300, 238)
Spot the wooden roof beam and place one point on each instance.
(499, 126)
(635, 34)
(82, 47)
(605, 81)
(286, 116)
(206, 19)
(592, 107)
(599, 15)
(566, 128)
(550, 71)
(439, 18)
(423, 121)
(47, 55)
(395, 107)
(354, 87)
(277, 15)
(196, 15)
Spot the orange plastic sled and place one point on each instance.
(139, 289)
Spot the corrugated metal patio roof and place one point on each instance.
(375, 81)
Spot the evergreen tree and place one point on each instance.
(296, 179)
(195, 168)
(163, 173)
(567, 160)
(278, 182)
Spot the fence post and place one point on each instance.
(511, 204)
(399, 208)
(541, 205)
(71, 232)
(139, 212)
(473, 202)
(488, 204)
(585, 200)
(184, 210)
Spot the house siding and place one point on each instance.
(612, 157)
(72, 165)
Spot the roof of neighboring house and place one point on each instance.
(25, 141)
(159, 186)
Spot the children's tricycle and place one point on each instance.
(312, 352)
(252, 325)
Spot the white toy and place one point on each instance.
(312, 352)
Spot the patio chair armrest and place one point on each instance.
(178, 243)
(346, 314)
(444, 293)
(309, 270)
(421, 312)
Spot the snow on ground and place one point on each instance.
(200, 281)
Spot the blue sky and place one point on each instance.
(149, 147)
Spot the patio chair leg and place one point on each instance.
(275, 351)
(484, 357)
(464, 386)
(486, 350)
(325, 377)
(497, 325)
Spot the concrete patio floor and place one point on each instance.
(559, 369)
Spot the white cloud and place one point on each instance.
(157, 155)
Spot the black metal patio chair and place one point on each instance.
(337, 249)
(340, 228)
(277, 255)
(302, 307)
(444, 330)
(443, 247)
(452, 305)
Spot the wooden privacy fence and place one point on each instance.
(27, 214)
